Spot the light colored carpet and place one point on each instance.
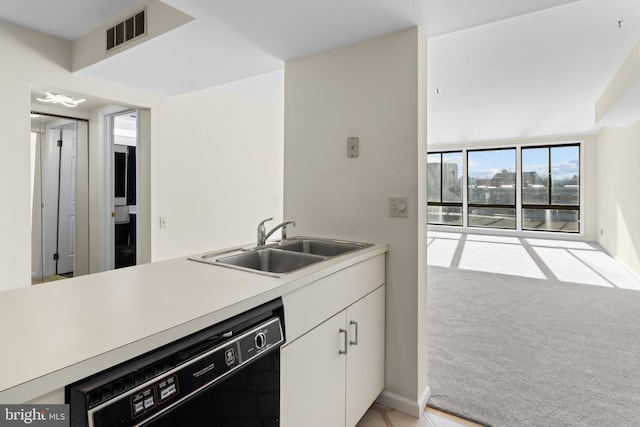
(511, 351)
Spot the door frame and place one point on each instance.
(106, 119)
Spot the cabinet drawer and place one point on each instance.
(309, 306)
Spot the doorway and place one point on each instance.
(124, 142)
(100, 124)
(59, 210)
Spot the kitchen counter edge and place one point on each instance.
(67, 368)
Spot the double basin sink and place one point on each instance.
(282, 258)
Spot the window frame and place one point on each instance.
(449, 204)
(550, 205)
(514, 206)
(519, 206)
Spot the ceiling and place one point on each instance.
(504, 68)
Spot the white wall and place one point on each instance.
(618, 194)
(228, 190)
(218, 171)
(375, 90)
(15, 224)
(590, 171)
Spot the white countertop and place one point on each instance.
(60, 332)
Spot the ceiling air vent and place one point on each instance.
(126, 30)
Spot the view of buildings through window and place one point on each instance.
(548, 197)
(551, 188)
(491, 180)
(444, 192)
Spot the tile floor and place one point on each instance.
(381, 416)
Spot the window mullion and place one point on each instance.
(441, 177)
(549, 177)
(519, 189)
(465, 190)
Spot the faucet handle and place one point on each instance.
(262, 232)
(261, 225)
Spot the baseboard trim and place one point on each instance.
(403, 404)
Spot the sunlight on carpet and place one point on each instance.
(499, 258)
(519, 336)
(567, 268)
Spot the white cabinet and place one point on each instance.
(312, 378)
(333, 373)
(365, 358)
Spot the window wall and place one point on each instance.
(528, 188)
(444, 188)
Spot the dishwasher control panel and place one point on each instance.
(154, 395)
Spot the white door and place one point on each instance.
(67, 210)
(59, 197)
(312, 389)
(365, 358)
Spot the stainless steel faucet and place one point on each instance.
(263, 235)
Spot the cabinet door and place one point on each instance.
(312, 389)
(365, 358)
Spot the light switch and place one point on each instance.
(163, 222)
(398, 207)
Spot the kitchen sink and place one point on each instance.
(271, 260)
(322, 247)
(278, 259)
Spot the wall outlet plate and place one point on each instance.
(398, 207)
(353, 146)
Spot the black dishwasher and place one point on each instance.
(227, 375)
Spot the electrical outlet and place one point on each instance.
(398, 207)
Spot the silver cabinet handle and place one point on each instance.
(344, 331)
(354, 341)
